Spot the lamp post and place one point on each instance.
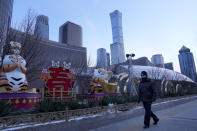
(131, 85)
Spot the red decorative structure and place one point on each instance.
(59, 81)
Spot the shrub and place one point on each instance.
(116, 100)
(59, 105)
(50, 106)
(130, 99)
(92, 103)
(104, 101)
(74, 104)
(5, 108)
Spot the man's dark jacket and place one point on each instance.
(147, 91)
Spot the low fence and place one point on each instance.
(58, 94)
(29, 119)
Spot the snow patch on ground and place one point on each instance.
(32, 125)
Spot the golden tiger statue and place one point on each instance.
(13, 70)
(100, 82)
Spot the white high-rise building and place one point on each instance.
(42, 27)
(118, 43)
(6, 7)
(158, 60)
(101, 58)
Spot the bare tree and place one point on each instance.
(165, 75)
(156, 72)
(24, 34)
(82, 77)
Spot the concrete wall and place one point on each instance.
(58, 52)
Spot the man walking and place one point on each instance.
(147, 95)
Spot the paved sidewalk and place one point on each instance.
(179, 118)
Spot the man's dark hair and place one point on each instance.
(144, 73)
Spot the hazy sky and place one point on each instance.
(149, 26)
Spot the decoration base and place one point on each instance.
(21, 102)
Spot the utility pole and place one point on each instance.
(131, 85)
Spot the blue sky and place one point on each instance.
(149, 26)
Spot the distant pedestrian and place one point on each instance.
(147, 95)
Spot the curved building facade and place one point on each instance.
(42, 27)
(155, 73)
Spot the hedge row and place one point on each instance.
(58, 105)
(50, 105)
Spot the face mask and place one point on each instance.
(16, 51)
(144, 79)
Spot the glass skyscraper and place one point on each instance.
(157, 59)
(117, 47)
(6, 7)
(102, 58)
(187, 63)
(42, 27)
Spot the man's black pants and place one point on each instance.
(148, 113)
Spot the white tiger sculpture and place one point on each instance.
(13, 76)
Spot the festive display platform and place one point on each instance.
(21, 101)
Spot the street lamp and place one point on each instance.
(131, 84)
(130, 55)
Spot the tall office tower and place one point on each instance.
(6, 7)
(118, 43)
(187, 64)
(71, 34)
(101, 58)
(115, 53)
(42, 27)
(158, 60)
(108, 59)
(169, 66)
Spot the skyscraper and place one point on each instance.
(42, 27)
(71, 34)
(158, 60)
(108, 59)
(6, 7)
(187, 64)
(115, 53)
(118, 43)
(102, 58)
(169, 66)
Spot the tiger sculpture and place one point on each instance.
(13, 70)
(100, 82)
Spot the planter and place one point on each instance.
(21, 102)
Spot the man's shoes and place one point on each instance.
(145, 127)
(155, 123)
